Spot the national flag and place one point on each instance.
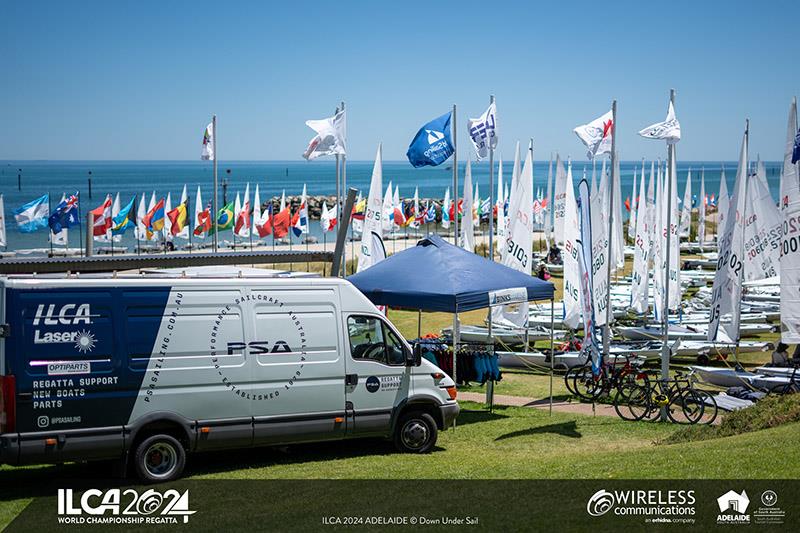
(33, 215)
(65, 214)
(359, 209)
(202, 222)
(460, 209)
(124, 219)
(150, 235)
(208, 144)
(669, 130)
(101, 226)
(281, 222)
(263, 224)
(483, 131)
(183, 233)
(141, 230)
(596, 135)
(430, 212)
(330, 138)
(327, 219)
(242, 226)
(300, 220)
(167, 222)
(224, 218)
(154, 219)
(178, 217)
(446, 211)
(432, 145)
(628, 203)
(202, 217)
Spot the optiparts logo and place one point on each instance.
(118, 506)
(600, 502)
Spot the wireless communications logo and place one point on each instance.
(656, 506)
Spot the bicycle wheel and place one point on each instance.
(625, 382)
(586, 384)
(569, 378)
(685, 407)
(710, 409)
(632, 402)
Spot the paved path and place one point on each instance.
(560, 406)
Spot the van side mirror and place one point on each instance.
(415, 357)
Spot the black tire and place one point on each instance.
(710, 410)
(685, 407)
(159, 458)
(632, 402)
(416, 432)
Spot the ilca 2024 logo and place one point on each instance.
(67, 315)
(123, 506)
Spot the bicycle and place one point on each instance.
(683, 403)
(584, 383)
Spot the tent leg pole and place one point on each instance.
(490, 384)
(552, 351)
(455, 350)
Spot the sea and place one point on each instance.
(23, 181)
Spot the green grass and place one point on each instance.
(510, 443)
(768, 413)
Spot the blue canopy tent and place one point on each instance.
(436, 275)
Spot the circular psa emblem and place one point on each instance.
(373, 384)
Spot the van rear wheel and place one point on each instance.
(159, 458)
(416, 432)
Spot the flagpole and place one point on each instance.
(136, 223)
(607, 326)
(338, 174)
(665, 350)
(216, 199)
(80, 224)
(344, 188)
(491, 190)
(454, 135)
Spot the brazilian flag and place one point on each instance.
(224, 218)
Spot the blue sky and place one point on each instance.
(140, 80)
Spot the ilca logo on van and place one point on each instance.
(66, 315)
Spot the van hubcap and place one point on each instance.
(415, 434)
(160, 459)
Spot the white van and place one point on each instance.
(148, 368)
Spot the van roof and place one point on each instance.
(210, 272)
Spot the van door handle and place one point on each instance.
(351, 379)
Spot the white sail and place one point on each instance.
(387, 208)
(790, 243)
(468, 221)
(727, 291)
(140, 232)
(659, 242)
(167, 222)
(633, 204)
(572, 277)
(762, 233)
(618, 240)
(675, 241)
(256, 219)
(548, 218)
(701, 210)
(599, 249)
(519, 238)
(686, 208)
(515, 173)
(501, 219)
(558, 205)
(372, 250)
(640, 278)
(723, 205)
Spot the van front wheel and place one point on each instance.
(160, 458)
(416, 432)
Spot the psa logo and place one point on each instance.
(117, 506)
(259, 347)
(733, 508)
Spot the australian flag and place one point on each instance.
(796, 149)
(65, 215)
(432, 144)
